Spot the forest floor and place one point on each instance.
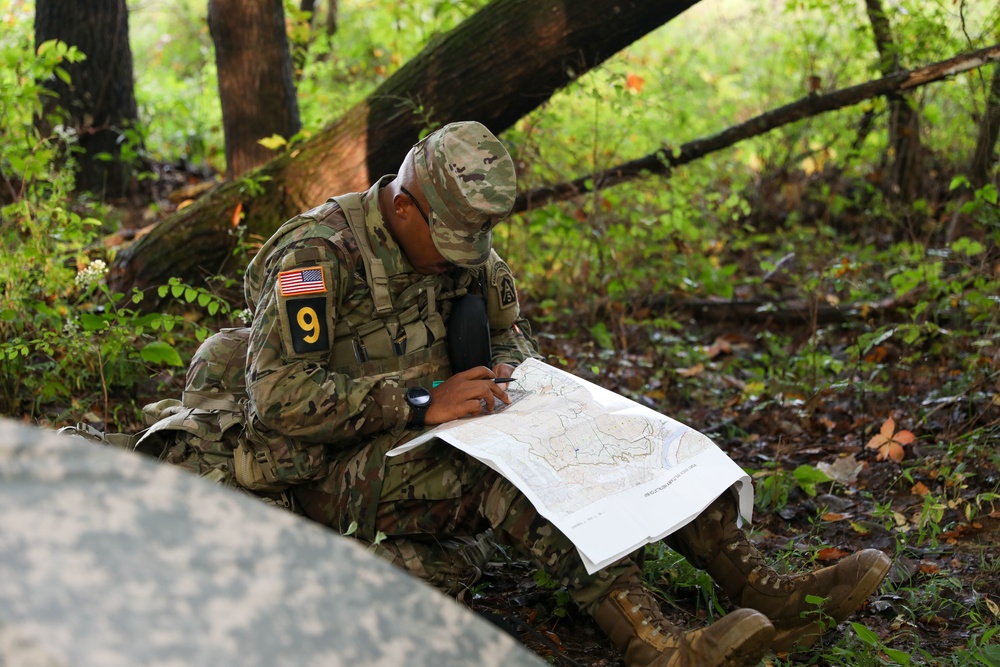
(935, 513)
(935, 510)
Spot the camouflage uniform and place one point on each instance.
(342, 326)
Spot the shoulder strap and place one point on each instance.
(378, 281)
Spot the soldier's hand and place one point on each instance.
(464, 394)
(503, 370)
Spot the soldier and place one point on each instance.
(348, 356)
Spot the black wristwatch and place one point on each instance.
(419, 400)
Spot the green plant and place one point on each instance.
(560, 596)
(670, 574)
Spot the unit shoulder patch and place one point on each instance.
(502, 281)
(309, 280)
(501, 297)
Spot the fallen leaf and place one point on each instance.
(860, 529)
(929, 568)
(992, 606)
(720, 346)
(958, 532)
(238, 214)
(877, 355)
(844, 470)
(634, 82)
(890, 443)
(920, 489)
(830, 553)
(691, 372)
(833, 516)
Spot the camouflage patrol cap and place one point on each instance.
(468, 178)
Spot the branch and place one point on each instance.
(663, 160)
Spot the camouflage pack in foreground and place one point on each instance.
(108, 558)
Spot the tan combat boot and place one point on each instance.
(632, 619)
(713, 543)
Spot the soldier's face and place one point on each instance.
(424, 255)
(415, 239)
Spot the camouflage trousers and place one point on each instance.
(431, 499)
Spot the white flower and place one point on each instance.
(91, 274)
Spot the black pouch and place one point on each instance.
(469, 334)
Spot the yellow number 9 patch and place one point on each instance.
(308, 324)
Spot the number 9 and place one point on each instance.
(307, 319)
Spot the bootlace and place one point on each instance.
(644, 604)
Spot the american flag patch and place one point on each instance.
(302, 281)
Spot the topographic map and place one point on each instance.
(608, 472)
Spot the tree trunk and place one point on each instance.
(495, 67)
(989, 128)
(331, 17)
(255, 79)
(100, 100)
(904, 124)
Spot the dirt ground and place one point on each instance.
(941, 595)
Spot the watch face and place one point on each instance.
(418, 397)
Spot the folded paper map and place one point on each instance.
(610, 473)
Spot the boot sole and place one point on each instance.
(804, 636)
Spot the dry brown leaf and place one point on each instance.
(831, 553)
(889, 442)
(691, 372)
(920, 489)
(833, 516)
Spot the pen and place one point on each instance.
(496, 380)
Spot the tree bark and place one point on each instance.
(904, 124)
(495, 67)
(331, 17)
(100, 99)
(663, 160)
(989, 127)
(255, 79)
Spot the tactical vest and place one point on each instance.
(403, 340)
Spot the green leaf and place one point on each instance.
(989, 193)
(92, 322)
(273, 142)
(8, 315)
(63, 75)
(159, 352)
(213, 308)
(897, 656)
(203, 299)
(176, 290)
(967, 246)
(808, 477)
(602, 336)
(162, 290)
(190, 294)
(989, 656)
(865, 635)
